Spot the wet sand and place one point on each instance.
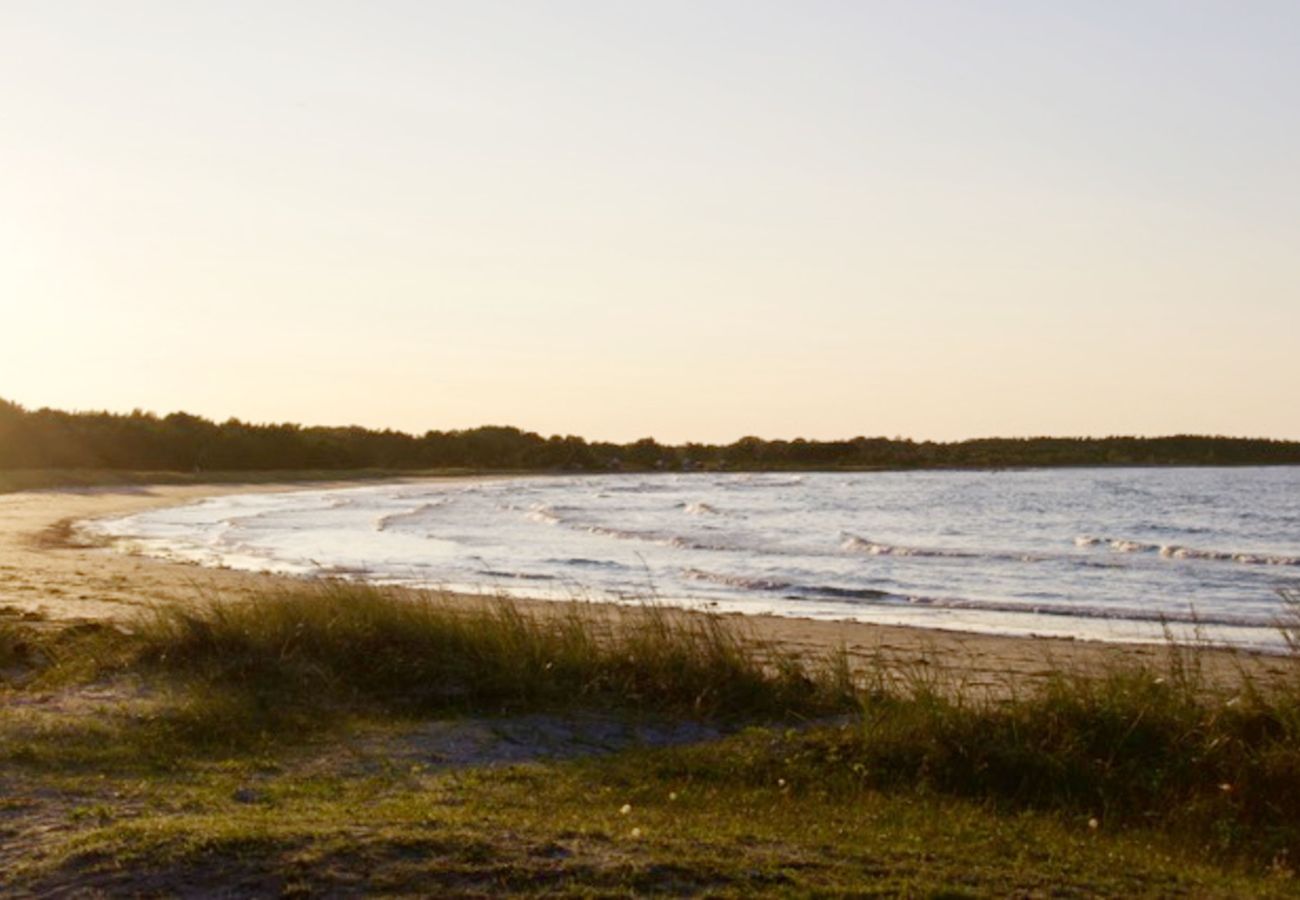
(45, 570)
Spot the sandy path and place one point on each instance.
(41, 571)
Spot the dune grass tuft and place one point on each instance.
(33, 654)
(1130, 747)
(421, 652)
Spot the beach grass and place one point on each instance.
(1128, 748)
(284, 744)
(420, 652)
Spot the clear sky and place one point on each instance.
(691, 220)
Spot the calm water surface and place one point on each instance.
(1112, 554)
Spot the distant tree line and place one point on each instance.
(45, 438)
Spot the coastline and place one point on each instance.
(45, 571)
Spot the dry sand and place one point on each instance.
(43, 569)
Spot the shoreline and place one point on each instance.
(46, 571)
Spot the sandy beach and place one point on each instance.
(46, 570)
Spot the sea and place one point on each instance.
(1113, 554)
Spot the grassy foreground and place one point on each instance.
(339, 739)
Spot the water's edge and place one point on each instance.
(1041, 552)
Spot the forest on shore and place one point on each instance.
(143, 441)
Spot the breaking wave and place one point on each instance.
(407, 517)
(700, 509)
(544, 514)
(1250, 559)
(855, 544)
(1175, 551)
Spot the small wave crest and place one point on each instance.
(744, 582)
(681, 542)
(1175, 551)
(856, 544)
(689, 543)
(699, 509)
(791, 589)
(407, 516)
(543, 514)
(1250, 559)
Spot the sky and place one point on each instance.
(686, 219)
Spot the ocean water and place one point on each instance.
(1109, 554)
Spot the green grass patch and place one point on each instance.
(609, 827)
